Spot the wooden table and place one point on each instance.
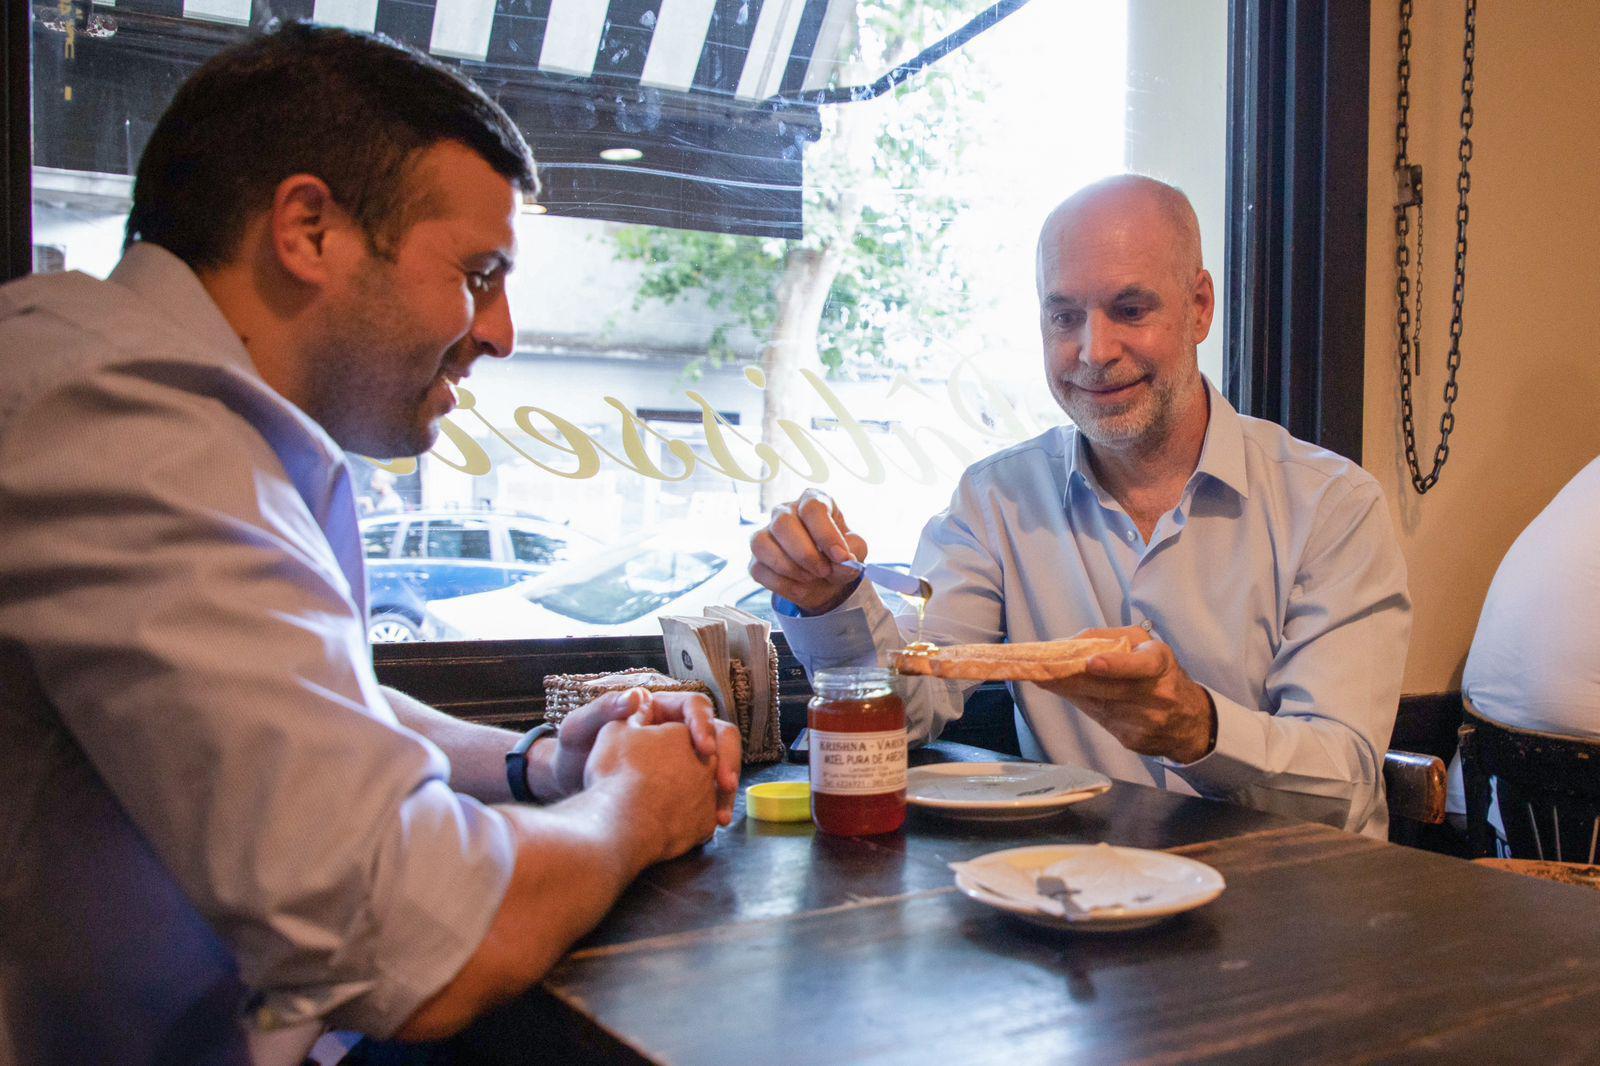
(778, 945)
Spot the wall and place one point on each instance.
(1530, 381)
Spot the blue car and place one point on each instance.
(418, 556)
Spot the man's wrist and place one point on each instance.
(528, 773)
(1204, 741)
(1209, 740)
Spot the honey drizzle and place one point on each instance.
(919, 646)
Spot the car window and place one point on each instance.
(536, 548)
(759, 603)
(455, 538)
(377, 538)
(412, 548)
(631, 588)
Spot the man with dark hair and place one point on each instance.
(221, 834)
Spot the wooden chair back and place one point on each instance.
(1547, 786)
(1414, 784)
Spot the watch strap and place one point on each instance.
(517, 762)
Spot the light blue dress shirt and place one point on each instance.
(212, 818)
(1277, 581)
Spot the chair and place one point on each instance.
(1414, 785)
(1547, 786)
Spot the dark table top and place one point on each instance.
(775, 944)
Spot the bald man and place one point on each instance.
(1258, 574)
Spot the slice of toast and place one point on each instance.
(1045, 660)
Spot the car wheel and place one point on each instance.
(392, 629)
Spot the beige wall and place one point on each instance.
(1528, 417)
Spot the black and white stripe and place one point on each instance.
(748, 50)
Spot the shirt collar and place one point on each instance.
(166, 283)
(1221, 454)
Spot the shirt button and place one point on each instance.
(1131, 535)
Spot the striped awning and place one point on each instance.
(701, 90)
(744, 50)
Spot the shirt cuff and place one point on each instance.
(1236, 760)
(841, 637)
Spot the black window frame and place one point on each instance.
(1295, 278)
(1298, 78)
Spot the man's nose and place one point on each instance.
(493, 328)
(1099, 341)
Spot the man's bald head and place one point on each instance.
(1124, 301)
(1160, 211)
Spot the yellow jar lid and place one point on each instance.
(779, 801)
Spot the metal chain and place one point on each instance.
(1408, 322)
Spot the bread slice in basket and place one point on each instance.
(1044, 660)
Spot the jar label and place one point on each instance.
(858, 764)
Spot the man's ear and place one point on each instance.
(303, 228)
(1204, 304)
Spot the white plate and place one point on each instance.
(1119, 888)
(1000, 790)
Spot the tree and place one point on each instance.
(872, 283)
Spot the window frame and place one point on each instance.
(1295, 340)
(1295, 275)
(16, 194)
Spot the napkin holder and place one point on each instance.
(730, 651)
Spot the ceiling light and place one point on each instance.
(621, 155)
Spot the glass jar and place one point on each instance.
(858, 752)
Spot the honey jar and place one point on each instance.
(858, 752)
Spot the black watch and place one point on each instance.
(517, 762)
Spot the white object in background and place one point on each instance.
(359, 15)
(461, 29)
(572, 36)
(769, 49)
(233, 12)
(676, 45)
(825, 53)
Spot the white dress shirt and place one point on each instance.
(1535, 658)
(1277, 581)
(213, 820)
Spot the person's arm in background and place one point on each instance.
(832, 618)
(477, 753)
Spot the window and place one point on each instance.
(458, 539)
(668, 376)
(377, 538)
(628, 589)
(530, 547)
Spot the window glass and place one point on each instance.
(685, 364)
(458, 539)
(377, 539)
(412, 547)
(629, 588)
(530, 547)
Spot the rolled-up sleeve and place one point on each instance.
(1334, 682)
(188, 619)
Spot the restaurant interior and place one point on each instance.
(1465, 930)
